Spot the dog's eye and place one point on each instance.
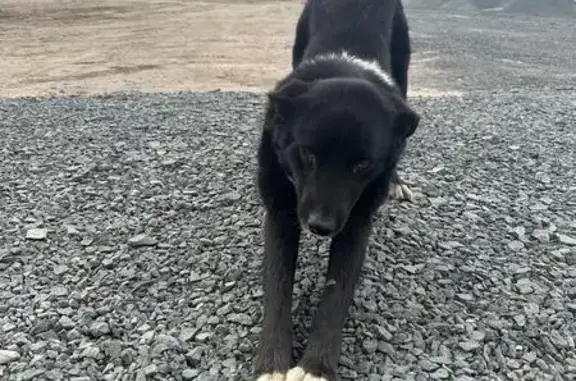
(362, 166)
(308, 157)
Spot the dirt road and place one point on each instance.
(71, 47)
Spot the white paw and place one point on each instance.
(400, 192)
(277, 376)
(299, 374)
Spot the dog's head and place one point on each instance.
(333, 137)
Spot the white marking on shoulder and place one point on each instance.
(368, 65)
(299, 374)
(277, 376)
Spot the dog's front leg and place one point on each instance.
(282, 235)
(347, 252)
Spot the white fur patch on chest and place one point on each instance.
(368, 65)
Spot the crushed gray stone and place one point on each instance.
(7, 356)
(37, 234)
(566, 239)
(141, 240)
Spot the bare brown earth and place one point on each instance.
(79, 47)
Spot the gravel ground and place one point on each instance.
(471, 51)
(149, 265)
(130, 242)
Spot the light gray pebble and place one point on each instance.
(370, 346)
(519, 232)
(383, 333)
(142, 240)
(187, 334)
(513, 363)
(207, 376)
(37, 234)
(516, 245)
(66, 323)
(194, 356)
(469, 346)
(60, 269)
(113, 348)
(56, 375)
(566, 239)
(59, 291)
(203, 337)
(141, 375)
(167, 340)
(7, 356)
(38, 346)
(387, 348)
(231, 197)
(465, 297)
(524, 286)
(541, 235)
(91, 352)
(428, 365)
(240, 319)
(441, 360)
(73, 334)
(151, 370)
(30, 374)
(147, 337)
(99, 328)
(440, 374)
(189, 374)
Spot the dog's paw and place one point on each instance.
(299, 374)
(276, 376)
(400, 192)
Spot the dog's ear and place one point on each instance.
(406, 120)
(284, 100)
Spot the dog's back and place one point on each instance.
(363, 28)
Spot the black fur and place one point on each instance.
(332, 137)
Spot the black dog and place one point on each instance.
(333, 133)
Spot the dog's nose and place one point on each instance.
(321, 225)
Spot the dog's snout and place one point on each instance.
(321, 225)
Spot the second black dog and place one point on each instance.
(334, 131)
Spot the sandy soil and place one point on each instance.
(76, 47)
